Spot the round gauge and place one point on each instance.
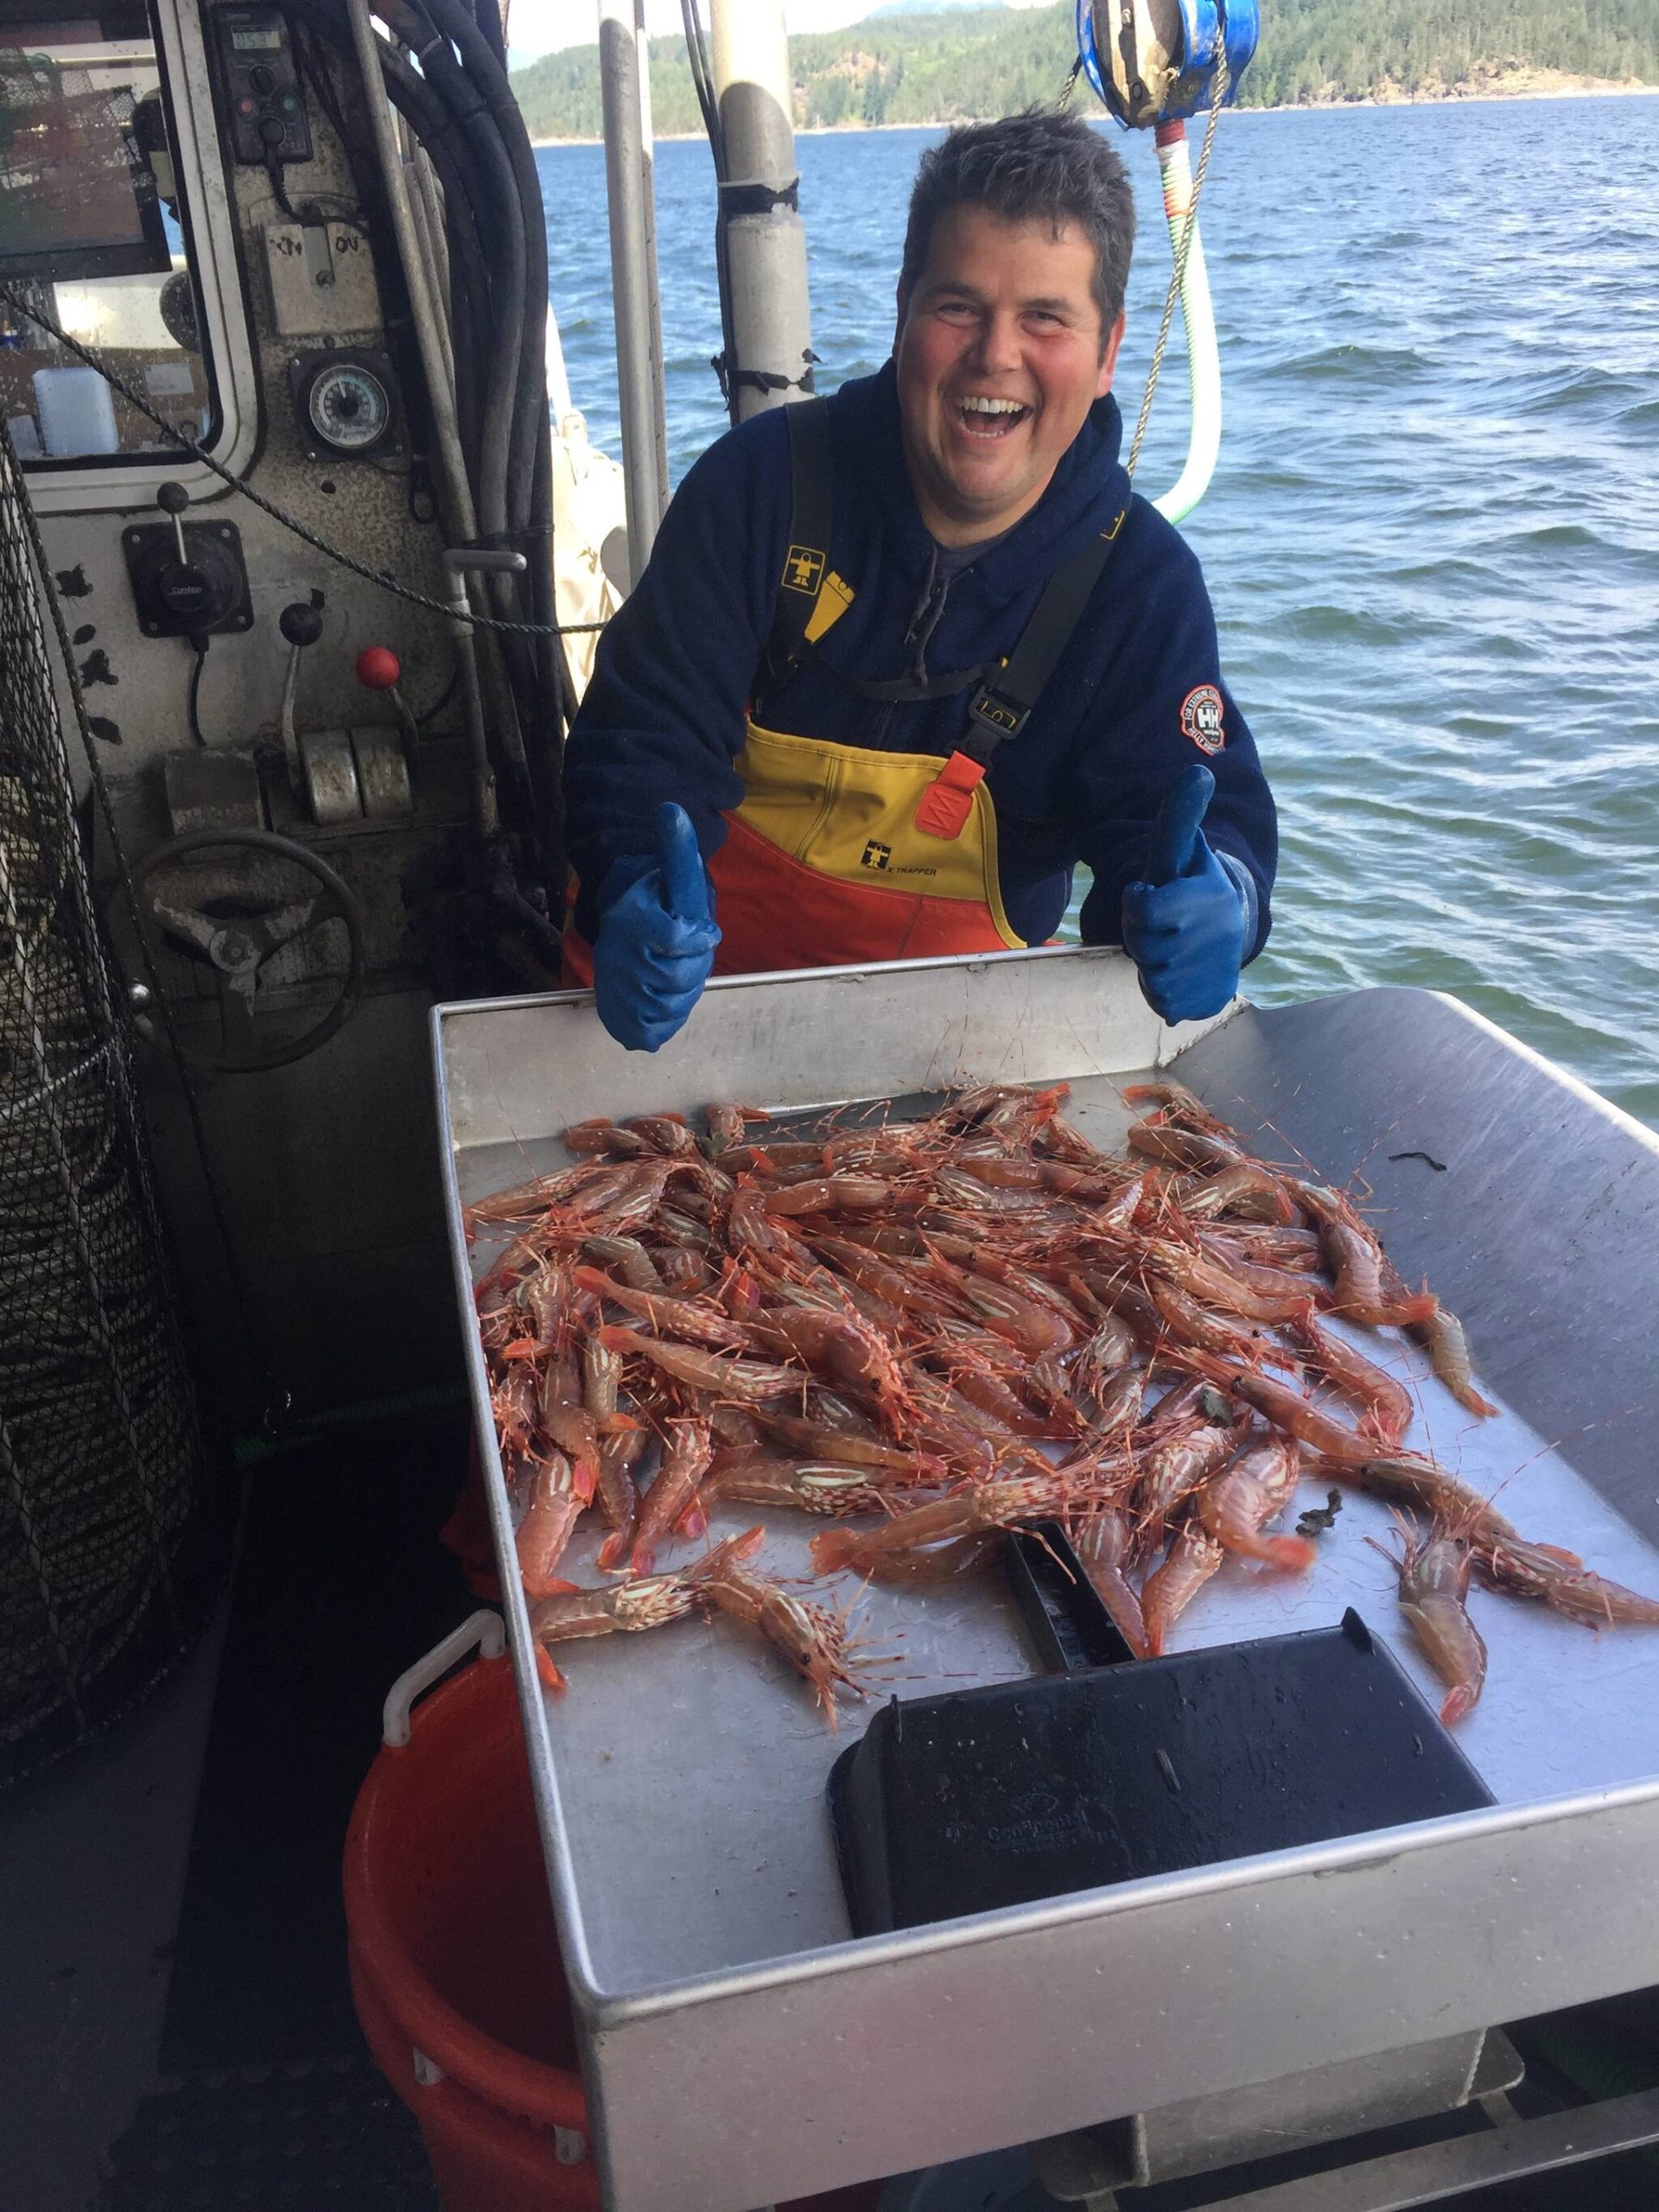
(347, 407)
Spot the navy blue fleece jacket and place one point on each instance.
(664, 716)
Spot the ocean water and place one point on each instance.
(1432, 539)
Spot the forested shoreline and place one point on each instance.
(952, 67)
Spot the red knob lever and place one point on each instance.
(378, 668)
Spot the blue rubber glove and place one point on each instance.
(656, 940)
(1188, 927)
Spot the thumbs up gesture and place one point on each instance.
(1189, 925)
(656, 938)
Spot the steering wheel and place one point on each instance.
(243, 935)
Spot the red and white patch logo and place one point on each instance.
(1201, 719)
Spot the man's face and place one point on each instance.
(1001, 356)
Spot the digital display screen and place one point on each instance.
(77, 198)
(257, 40)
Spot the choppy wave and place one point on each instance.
(1433, 541)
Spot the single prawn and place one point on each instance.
(812, 1636)
(1388, 1404)
(1403, 1479)
(1560, 1579)
(1194, 1556)
(1236, 1504)
(1354, 1259)
(692, 1321)
(948, 1562)
(978, 1506)
(1169, 1471)
(601, 1135)
(1440, 1333)
(1433, 1573)
(808, 1486)
(820, 1439)
(671, 1500)
(650, 1601)
(746, 1379)
(617, 1496)
(551, 1515)
(1102, 1539)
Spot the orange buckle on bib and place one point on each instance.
(947, 801)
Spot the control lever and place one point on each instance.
(186, 584)
(173, 500)
(460, 561)
(186, 594)
(302, 625)
(377, 670)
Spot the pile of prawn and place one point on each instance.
(965, 1325)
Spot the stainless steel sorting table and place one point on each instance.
(738, 2045)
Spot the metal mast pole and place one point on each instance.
(623, 82)
(766, 240)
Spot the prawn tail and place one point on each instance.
(1295, 1554)
(614, 1551)
(1123, 1607)
(833, 1549)
(1460, 1703)
(547, 1673)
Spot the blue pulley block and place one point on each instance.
(1155, 60)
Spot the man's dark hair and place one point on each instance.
(1042, 166)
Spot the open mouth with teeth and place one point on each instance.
(983, 417)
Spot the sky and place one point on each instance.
(538, 27)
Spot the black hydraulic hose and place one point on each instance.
(416, 100)
(696, 53)
(455, 128)
(487, 16)
(504, 476)
(461, 110)
(490, 80)
(526, 435)
(452, 157)
(413, 25)
(552, 671)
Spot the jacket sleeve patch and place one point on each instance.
(1201, 718)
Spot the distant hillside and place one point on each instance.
(954, 64)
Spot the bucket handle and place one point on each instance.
(484, 1629)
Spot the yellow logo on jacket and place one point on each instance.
(803, 569)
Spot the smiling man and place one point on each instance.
(904, 657)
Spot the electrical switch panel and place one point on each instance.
(321, 279)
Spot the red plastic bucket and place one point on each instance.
(455, 1969)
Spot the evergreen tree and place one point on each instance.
(962, 64)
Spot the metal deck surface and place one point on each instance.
(681, 1779)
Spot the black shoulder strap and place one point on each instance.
(1001, 708)
(812, 507)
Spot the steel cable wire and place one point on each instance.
(32, 313)
(1178, 273)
